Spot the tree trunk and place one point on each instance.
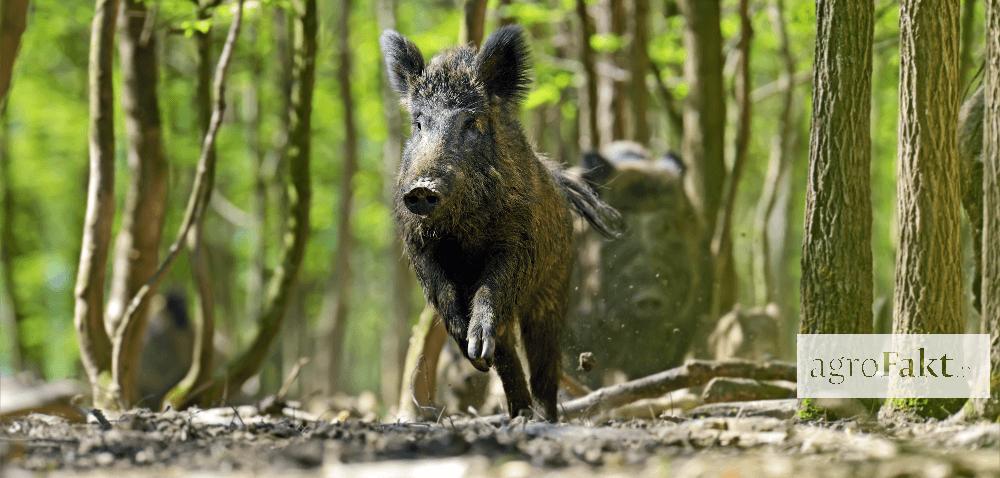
(398, 328)
(836, 250)
(703, 148)
(928, 275)
(639, 94)
(705, 108)
(968, 41)
(248, 363)
(928, 285)
(722, 249)
(612, 94)
(591, 139)
(11, 312)
(88, 313)
(473, 22)
(777, 166)
(990, 408)
(138, 243)
(340, 292)
(13, 18)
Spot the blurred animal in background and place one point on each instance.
(167, 347)
(633, 304)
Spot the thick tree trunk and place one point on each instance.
(248, 363)
(968, 41)
(639, 94)
(591, 137)
(13, 19)
(990, 408)
(836, 250)
(138, 244)
(88, 313)
(394, 337)
(928, 264)
(340, 292)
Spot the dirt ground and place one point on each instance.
(237, 442)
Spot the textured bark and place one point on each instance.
(340, 293)
(705, 108)
(473, 22)
(990, 408)
(13, 18)
(928, 286)
(591, 137)
(402, 281)
(765, 290)
(836, 250)
(137, 248)
(639, 94)
(88, 312)
(123, 369)
(248, 363)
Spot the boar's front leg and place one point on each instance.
(493, 315)
(443, 295)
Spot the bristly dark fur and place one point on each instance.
(494, 252)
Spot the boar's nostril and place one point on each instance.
(421, 201)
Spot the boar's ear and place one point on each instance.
(503, 63)
(597, 170)
(403, 61)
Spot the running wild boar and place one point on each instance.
(486, 221)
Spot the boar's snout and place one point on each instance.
(421, 200)
(649, 303)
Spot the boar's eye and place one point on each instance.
(416, 123)
(469, 124)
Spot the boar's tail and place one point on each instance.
(602, 217)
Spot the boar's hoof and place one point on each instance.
(481, 364)
(481, 347)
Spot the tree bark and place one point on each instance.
(777, 165)
(990, 408)
(340, 291)
(639, 94)
(401, 286)
(248, 363)
(88, 313)
(138, 243)
(928, 265)
(836, 250)
(13, 20)
(591, 139)
(612, 94)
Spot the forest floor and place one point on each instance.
(239, 442)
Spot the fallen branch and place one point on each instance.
(693, 373)
(782, 409)
(724, 389)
